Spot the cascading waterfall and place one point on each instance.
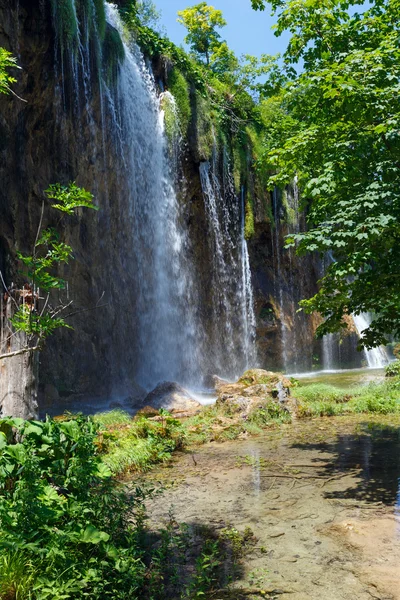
(279, 279)
(167, 332)
(174, 338)
(233, 318)
(377, 358)
(248, 314)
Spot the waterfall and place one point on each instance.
(376, 357)
(167, 331)
(279, 279)
(233, 318)
(177, 340)
(248, 314)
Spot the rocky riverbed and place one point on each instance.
(321, 498)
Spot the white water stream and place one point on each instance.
(173, 341)
(377, 358)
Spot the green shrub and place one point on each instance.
(66, 527)
(393, 369)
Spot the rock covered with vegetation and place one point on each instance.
(256, 390)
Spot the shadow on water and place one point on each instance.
(372, 454)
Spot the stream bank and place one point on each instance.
(320, 496)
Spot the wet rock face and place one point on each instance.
(255, 389)
(50, 138)
(170, 396)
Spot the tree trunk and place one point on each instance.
(18, 374)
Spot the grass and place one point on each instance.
(135, 444)
(326, 400)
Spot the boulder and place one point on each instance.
(172, 397)
(256, 388)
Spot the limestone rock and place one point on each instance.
(256, 388)
(171, 396)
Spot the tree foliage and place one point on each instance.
(202, 22)
(7, 61)
(337, 130)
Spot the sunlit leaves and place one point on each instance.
(7, 61)
(202, 22)
(341, 139)
(69, 197)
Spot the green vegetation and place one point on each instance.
(135, 445)
(7, 61)
(68, 530)
(66, 23)
(325, 400)
(39, 320)
(179, 88)
(113, 53)
(335, 127)
(393, 369)
(201, 22)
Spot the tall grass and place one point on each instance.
(326, 400)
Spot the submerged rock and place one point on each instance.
(171, 396)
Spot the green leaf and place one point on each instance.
(91, 535)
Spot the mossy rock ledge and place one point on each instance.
(256, 389)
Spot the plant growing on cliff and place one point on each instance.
(7, 61)
(36, 316)
(202, 22)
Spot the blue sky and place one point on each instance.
(247, 32)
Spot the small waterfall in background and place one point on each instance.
(248, 314)
(279, 279)
(233, 317)
(377, 358)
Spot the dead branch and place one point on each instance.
(18, 352)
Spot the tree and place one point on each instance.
(340, 138)
(202, 22)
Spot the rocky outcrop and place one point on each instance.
(256, 389)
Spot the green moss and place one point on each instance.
(290, 212)
(113, 53)
(101, 23)
(179, 88)
(240, 164)
(171, 118)
(249, 218)
(204, 127)
(65, 23)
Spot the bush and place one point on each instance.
(67, 529)
(393, 369)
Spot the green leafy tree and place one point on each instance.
(337, 131)
(202, 22)
(36, 316)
